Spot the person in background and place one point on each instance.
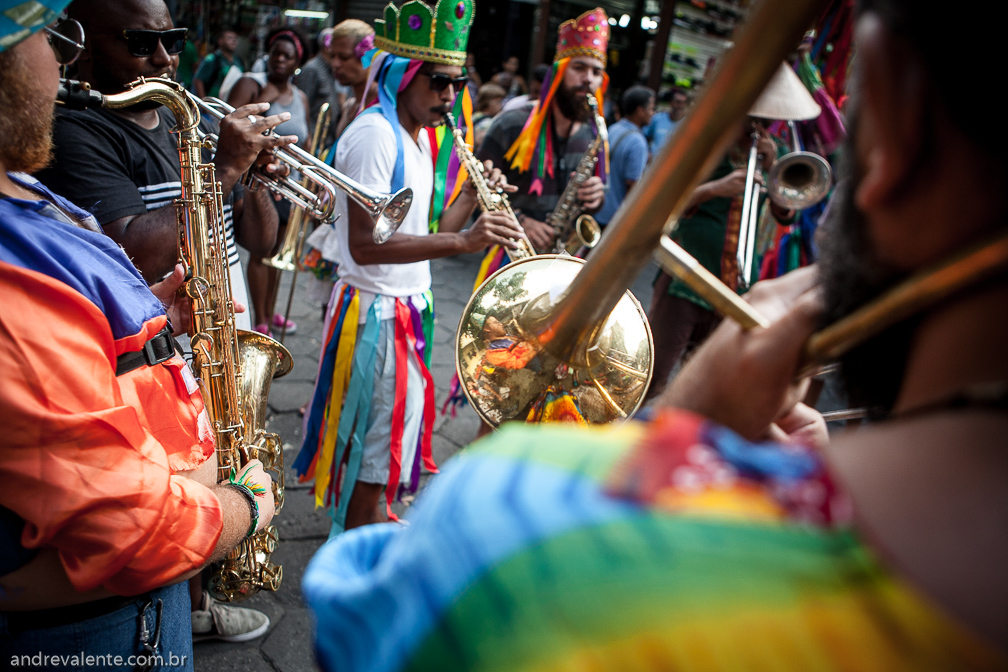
(509, 79)
(541, 144)
(188, 60)
(351, 39)
(110, 499)
(664, 122)
(286, 49)
(539, 74)
(214, 69)
(627, 148)
(489, 101)
(317, 81)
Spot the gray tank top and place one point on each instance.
(298, 123)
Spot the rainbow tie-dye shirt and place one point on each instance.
(672, 545)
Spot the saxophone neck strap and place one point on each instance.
(158, 349)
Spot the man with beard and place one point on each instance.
(683, 544)
(543, 143)
(110, 500)
(372, 412)
(123, 165)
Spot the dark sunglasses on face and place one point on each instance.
(439, 82)
(66, 37)
(144, 42)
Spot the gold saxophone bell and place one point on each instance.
(588, 231)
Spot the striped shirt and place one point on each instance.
(114, 168)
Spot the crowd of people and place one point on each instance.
(725, 529)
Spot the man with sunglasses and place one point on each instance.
(110, 500)
(380, 321)
(123, 165)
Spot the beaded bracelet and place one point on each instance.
(249, 489)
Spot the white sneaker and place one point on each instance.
(214, 620)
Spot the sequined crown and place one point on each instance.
(416, 30)
(587, 35)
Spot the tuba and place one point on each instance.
(234, 369)
(573, 229)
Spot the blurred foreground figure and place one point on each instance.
(682, 543)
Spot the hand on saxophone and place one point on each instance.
(176, 303)
(242, 143)
(256, 479)
(497, 180)
(492, 228)
(540, 234)
(591, 194)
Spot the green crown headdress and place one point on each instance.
(415, 30)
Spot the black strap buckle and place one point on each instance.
(158, 349)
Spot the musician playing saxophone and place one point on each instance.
(110, 498)
(122, 166)
(560, 129)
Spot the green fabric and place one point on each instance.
(652, 572)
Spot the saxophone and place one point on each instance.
(489, 200)
(234, 369)
(573, 229)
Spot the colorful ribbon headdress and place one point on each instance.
(587, 35)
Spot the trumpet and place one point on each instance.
(387, 211)
(286, 258)
(796, 181)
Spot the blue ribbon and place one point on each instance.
(356, 409)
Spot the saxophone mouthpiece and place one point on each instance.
(76, 95)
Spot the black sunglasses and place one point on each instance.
(144, 42)
(439, 82)
(66, 37)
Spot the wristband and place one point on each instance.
(253, 507)
(249, 489)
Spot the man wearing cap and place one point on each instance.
(542, 143)
(372, 412)
(110, 498)
(316, 79)
(710, 230)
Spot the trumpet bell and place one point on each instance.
(799, 180)
(506, 371)
(392, 214)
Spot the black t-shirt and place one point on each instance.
(114, 168)
(566, 155)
